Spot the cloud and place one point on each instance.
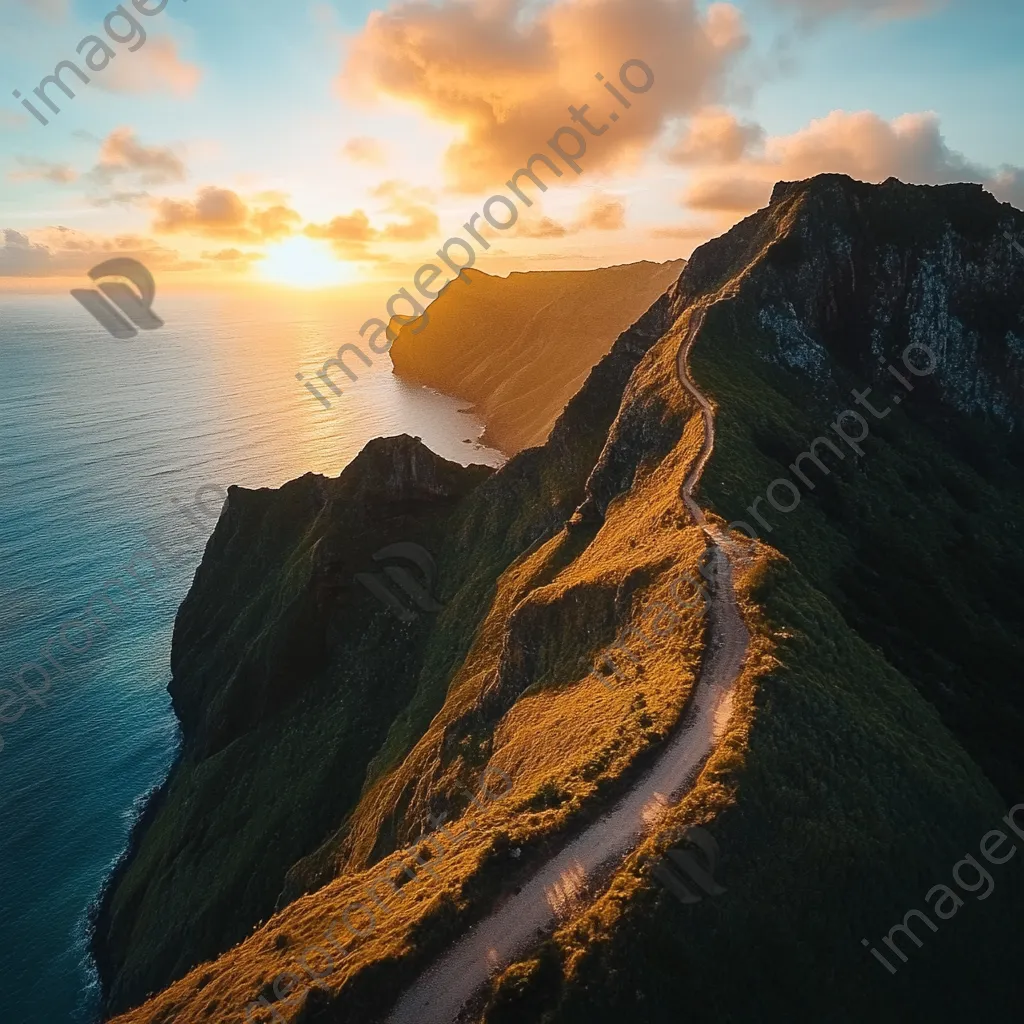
(222, 213)
(506, 71)
(233, 255)
(419, 220)
(233, 260)
(862, 145)
(156, 67)
(43, 170)
(352, 235)
(121, 153)
(51, 10)
(715, 136)
(599, 212)
(1007, 184)
(540, 227)
(64, 252)
(816, 10)
(364, 150)
(12, 119)
(602, 213)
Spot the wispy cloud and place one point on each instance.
(33, 169)
(364, 150)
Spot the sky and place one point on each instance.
(317, 144)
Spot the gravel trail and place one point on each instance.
(440, 993)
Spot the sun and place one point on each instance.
(305, 263)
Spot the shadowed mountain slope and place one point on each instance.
(874, 738)
(520, 347)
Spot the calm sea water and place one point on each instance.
(98, 440)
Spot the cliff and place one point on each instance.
(520, 347)
(875, 729)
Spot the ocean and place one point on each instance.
(102, 442)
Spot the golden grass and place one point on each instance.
(566, 735)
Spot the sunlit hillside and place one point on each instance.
(520, 347)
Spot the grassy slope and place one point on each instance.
(282, 715)
(838, 804)
(919, 543)
(845, 793)
(580, 595)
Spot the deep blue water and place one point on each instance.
(100, 441)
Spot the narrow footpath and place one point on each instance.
(440, 993)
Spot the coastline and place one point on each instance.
(97, 913)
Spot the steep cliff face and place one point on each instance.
(873, 727)
(275, 661)
(520, 347)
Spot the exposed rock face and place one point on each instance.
(872, 267)
(879, 719)
(520, 347)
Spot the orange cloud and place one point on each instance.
(231, 255)
(507, 71)
(540, 227)
(122, 153)
(156, 67)
(221, 213)
(603, 213)
(420, 221)
(64, 252)
(600, 212)
(862, 145)
(351, 235)
(42, 170)
(715, 136)
(364, 150)
(234, 261)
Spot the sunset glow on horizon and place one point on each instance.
(304, 263)
(368, 132)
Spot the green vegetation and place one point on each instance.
(919, 543)
(853, 802)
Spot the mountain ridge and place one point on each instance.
(488, 340)
(841, 771)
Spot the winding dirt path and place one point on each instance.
(440, 993)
